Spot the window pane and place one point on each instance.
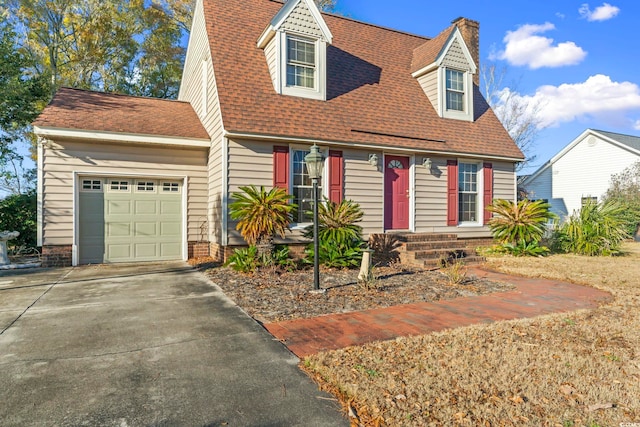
(467, 192)
(455, 90)
(301, 62)
(302, 188)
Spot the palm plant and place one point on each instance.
(340, 238)
(337, 222)
(597, 229)
(522, 221)
(262, 214)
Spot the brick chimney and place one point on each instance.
(470, 31)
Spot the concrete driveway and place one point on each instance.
(143, 345)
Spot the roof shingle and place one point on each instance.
(371, 96)
(108, 112)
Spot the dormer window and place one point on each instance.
(295, 47)
(455, 90)
(301, 62)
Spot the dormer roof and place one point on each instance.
(303, 15)
(433, 52)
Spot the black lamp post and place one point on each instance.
(314, 162)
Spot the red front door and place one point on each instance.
(396, 193)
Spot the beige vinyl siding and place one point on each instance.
(364, 185)
(199, 52)
(431, 197)
(429, 84)
(455, 57)
(270, 52)
(301, 21)
(250, 163)
(504, 184)
(63, 158)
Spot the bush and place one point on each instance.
(262, 214)
(519, 226)
(248, 260)
(625, 189)
(340, 238)
(18, 213)
(596, 229)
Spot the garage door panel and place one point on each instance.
(145, 229)
(125, 223)
(145, 207)
(146, 250)
(118, 207)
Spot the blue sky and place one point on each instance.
(579, 61)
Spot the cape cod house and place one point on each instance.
(399, 118)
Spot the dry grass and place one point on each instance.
(573, 369)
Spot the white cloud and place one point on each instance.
(600, 13)
(525, 47)
(636, 125)
(596, 98)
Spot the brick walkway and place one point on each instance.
(531, 297)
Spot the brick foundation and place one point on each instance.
(296, 251)
(56, 256)
(198, 249)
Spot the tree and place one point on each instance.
(18, 213)
(520, 117)
(326, 5)
(109, 45)
(23, 94)
(625, 189)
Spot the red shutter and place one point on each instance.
(452, 192)
(336, 176)
(281, 167)
(488, 189)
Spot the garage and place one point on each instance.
(122, 219)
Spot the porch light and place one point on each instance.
(315, 163)
(426, 162)
(373, 160)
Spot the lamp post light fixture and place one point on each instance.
(315, 163)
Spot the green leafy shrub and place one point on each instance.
(519, 226)
(340, 238)
(18, 213)
(596, 229)
(332, 255)
(262, 214)
(625, 189)
(248, 260)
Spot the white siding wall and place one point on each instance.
(270, 52)
(63, 158)
(455, 57)
(429, 84)
(583, 171)
(191, 88)
(301, 21)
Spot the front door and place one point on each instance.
(396, 193)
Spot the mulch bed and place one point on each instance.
(271, 296)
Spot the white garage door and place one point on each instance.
(128, 220)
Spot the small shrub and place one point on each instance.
(455, 271)
(596, 229)
(519, 221)
(248, 260)
(340, 239)
(18, 213)
(525, 249)
(333, 255)
(244, 260)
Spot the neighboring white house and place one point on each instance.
(582, 170)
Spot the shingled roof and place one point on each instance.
(107, 112)
(371, 96)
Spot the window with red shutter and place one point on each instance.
(336, 176)
(488, 189)
(452, 192)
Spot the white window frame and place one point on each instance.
(119, 182)
(145, 183)
(452, 90)
(324, 191)
(170, 185)
(92, 182)
(320, 79)
(467, 78)
(479, 195)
